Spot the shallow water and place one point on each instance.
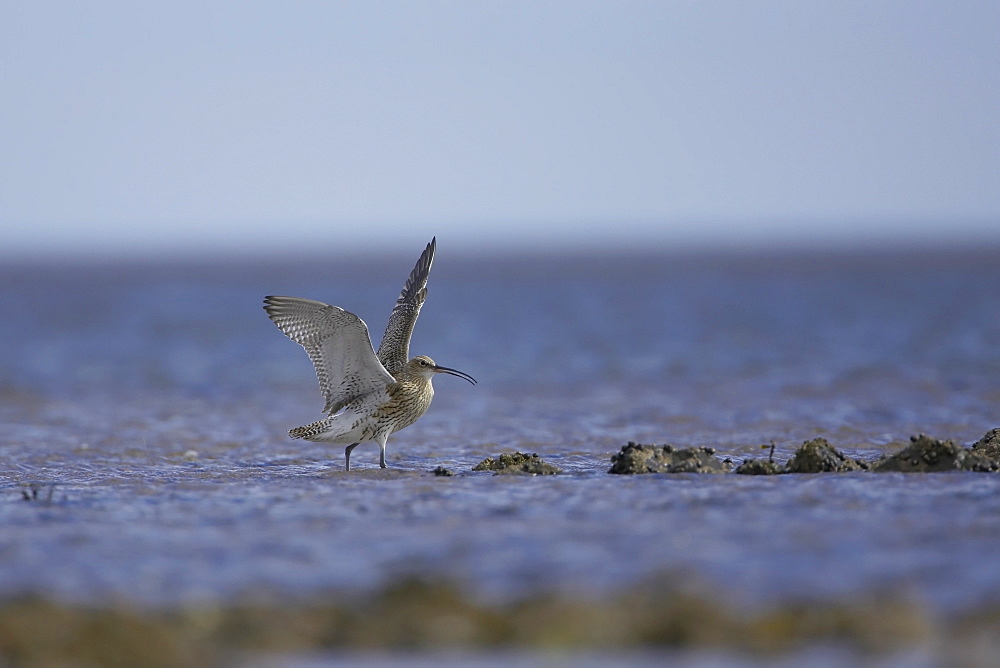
(148, 406)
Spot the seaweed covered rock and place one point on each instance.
(517, 462)
(637, 458)
(989, 445)
(930, 455)
(759, 467)
(818, 456)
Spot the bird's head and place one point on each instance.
(422, 365)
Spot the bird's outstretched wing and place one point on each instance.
(338, 345)
(394, 351)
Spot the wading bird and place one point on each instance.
(368, 395)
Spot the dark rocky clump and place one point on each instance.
(442, 471)
(759, 467)
(637, 458)
(517, 462)
(818, 456)
(930, 455)
(989, 445)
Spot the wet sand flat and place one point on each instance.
(144, 462)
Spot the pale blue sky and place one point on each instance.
(234, 126)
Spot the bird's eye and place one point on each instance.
(423, 362)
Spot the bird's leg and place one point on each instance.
(347, 454)
(381, 454)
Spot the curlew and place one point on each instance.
(368, 395)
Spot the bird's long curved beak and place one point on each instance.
(454, 372)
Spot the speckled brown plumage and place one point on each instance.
(368, 396)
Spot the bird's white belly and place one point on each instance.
(347, 428)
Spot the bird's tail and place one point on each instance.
(310, 430)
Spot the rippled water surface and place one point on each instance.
(148, 408)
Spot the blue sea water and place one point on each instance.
(148, 404)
